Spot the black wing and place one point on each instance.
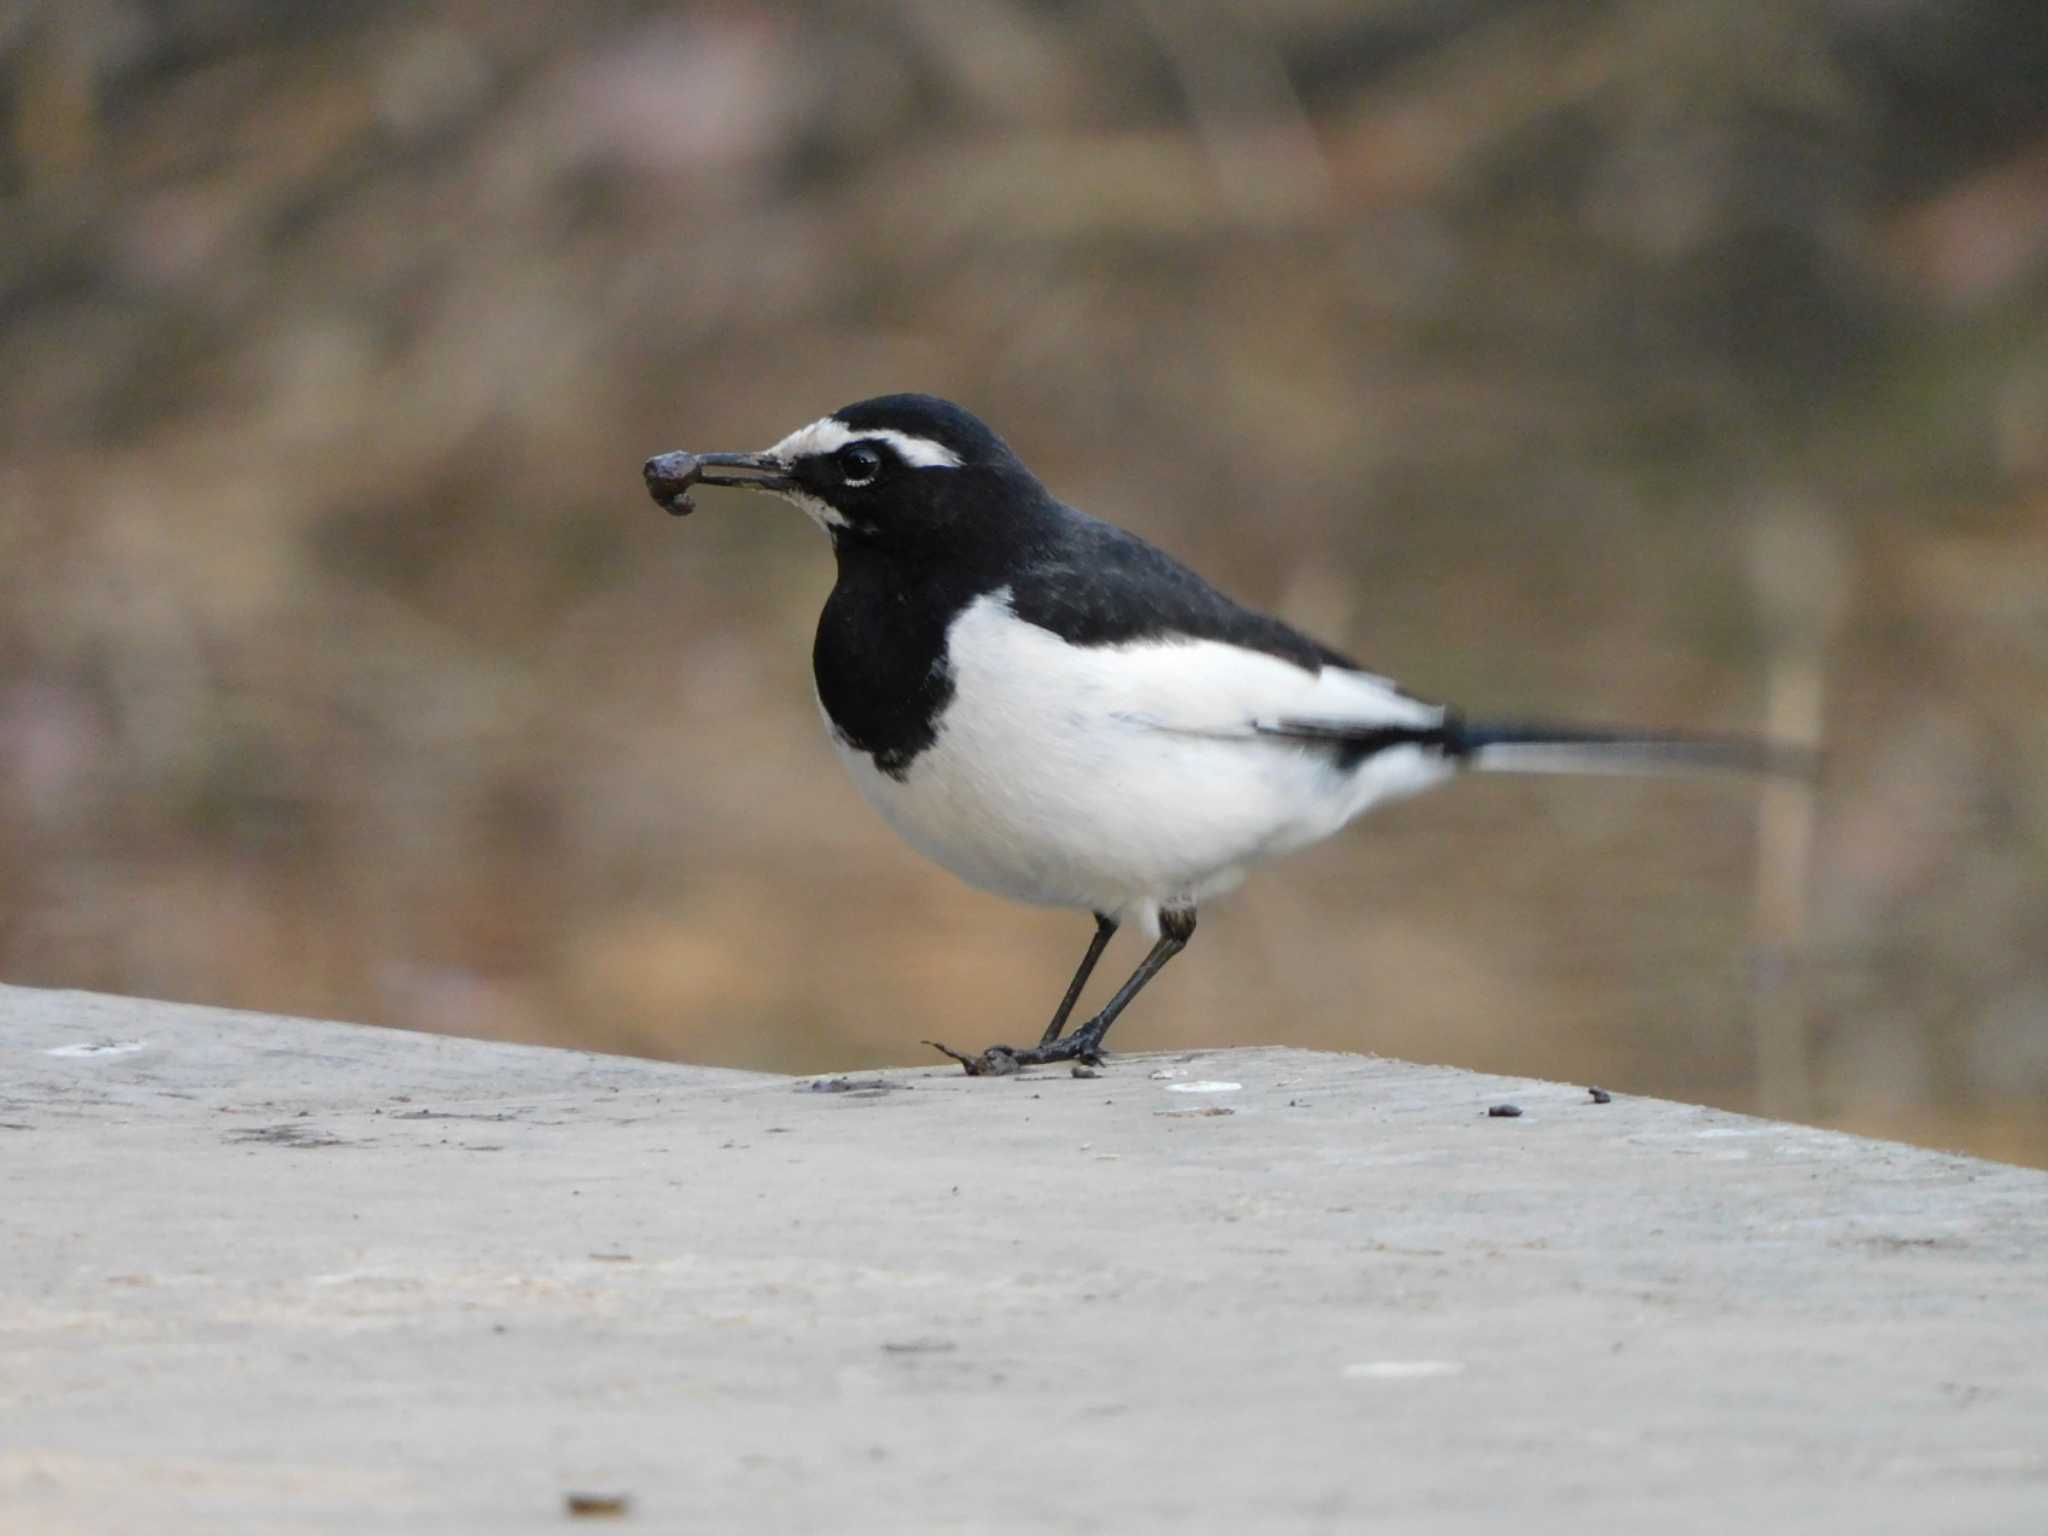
(1098, 585)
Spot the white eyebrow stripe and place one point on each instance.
(920, 452)
(829, 434)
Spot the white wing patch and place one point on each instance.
(829, 434)
(1188, 687)
(1343, 700)
(1215, 689)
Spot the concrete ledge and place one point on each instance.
(270, 1274)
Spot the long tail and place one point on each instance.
(1533, 748)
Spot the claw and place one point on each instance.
(1007, 1060)
(996, 1061)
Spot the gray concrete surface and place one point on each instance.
(268, 1274)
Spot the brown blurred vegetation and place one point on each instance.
(1680, 363)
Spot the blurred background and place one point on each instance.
(1678, 362)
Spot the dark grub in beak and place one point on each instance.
(670, 476)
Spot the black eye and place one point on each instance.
(859, 463)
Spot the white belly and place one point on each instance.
(1130, 778)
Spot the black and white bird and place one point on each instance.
(1062, 714)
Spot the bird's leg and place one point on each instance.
(1085, 1043)
(1105, 930)
(1175, 929)
(1001, 1060)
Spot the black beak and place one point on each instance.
(670, 475)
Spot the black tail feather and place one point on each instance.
(1503, 747)
(1520, 747)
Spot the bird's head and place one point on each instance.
(895, 471)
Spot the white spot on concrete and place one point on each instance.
(1401, 1370)
(1204, 1086)
(99, 1048)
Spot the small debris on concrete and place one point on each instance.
(596, 1506)
(1504, 1112)
(288, 1136)
(1082, 1069)
(1205, 1111)
(918, 1346)
(860, 1085)
(1601, 1095)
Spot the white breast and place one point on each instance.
(1124, 779)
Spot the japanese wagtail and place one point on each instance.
(1062, 714)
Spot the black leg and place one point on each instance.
(1175, 929)
(1085, 1043)
(1105, 930)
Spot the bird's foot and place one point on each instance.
(1008, 1060)
(996, 1061)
